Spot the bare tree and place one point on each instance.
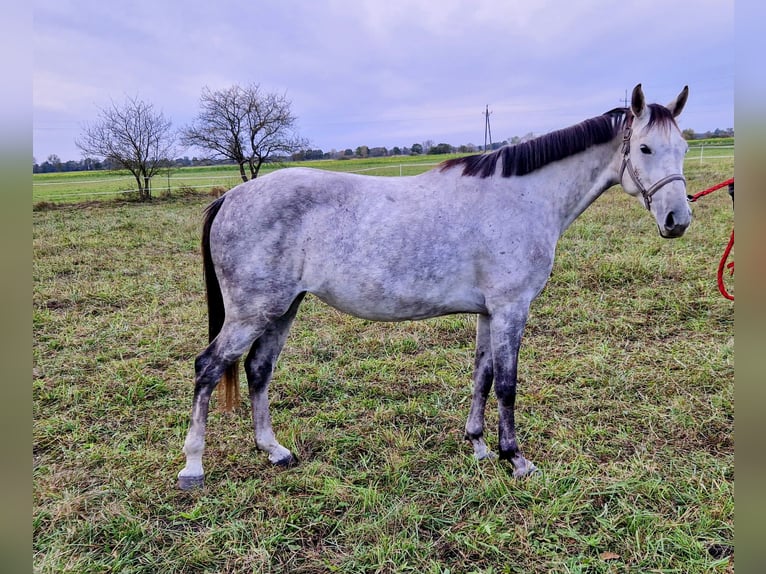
(244, 125)
(132, 136)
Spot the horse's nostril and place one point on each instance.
(670, 221)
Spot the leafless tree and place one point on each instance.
(244, 125)
(132, 136)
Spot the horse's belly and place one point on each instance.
(373, 302)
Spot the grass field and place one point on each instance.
(625, 404)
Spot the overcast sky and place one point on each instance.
(383, 72)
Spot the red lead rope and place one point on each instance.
(711, 189)
(730, 266)
(722, 265)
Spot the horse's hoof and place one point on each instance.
(191, 482)
(487, 455)
(288, 461)
(526, 470)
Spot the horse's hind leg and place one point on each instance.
(226, 349)
(482, 383)
(259, 367)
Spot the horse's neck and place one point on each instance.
(580, 180)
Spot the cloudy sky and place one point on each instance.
(383, 72)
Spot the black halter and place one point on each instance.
(627, 164)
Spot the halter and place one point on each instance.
(626, 163)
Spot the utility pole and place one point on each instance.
(487, 129)
(625, 100)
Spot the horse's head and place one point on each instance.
(653, 161)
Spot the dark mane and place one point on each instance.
(526, 157)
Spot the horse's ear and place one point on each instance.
(677, 105)
(637, 101)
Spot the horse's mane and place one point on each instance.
(528, 156)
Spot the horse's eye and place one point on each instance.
(645, 149)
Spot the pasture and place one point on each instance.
(625, 404)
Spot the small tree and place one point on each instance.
(55, 161)
(245, 126)
(131, 136)
(441, 148)
(362, 151)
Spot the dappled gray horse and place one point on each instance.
(477, 234)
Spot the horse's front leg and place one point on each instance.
(482, 383)
(507, 329)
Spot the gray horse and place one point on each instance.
(477, 235)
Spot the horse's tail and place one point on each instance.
(228, 390)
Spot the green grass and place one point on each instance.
(625, 404)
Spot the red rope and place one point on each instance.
(730, 266)
(722, 265)
(696, 196)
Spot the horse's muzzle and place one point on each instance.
(675, 224)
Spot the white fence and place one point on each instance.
(703, 153)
